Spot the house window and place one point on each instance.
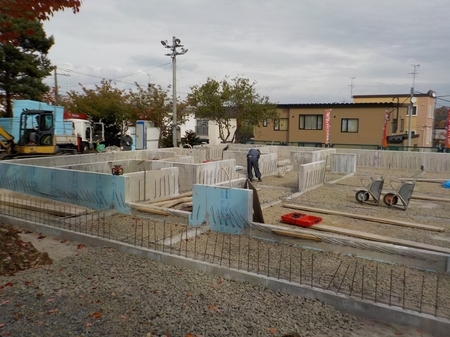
(265, 122)
(394, 125)
(414, 111)
(349, 125)
(310, 122)
(202, 127)
(281, 124)
(402, 125)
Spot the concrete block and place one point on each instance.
(311, 176)
(343, 163)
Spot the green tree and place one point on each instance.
(24, 66)
(105, 103)
(154, 104)
(226, 100)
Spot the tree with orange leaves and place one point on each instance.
(31, 10)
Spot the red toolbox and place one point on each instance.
(299, 219)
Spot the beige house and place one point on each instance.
(422, 117)
(350, 124)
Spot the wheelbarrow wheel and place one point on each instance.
(390, 199)
(362, 196)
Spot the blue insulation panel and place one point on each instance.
(224, 209)
(93, 190)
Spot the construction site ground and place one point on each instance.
(338, 194)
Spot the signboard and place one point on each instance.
(447, 134)
(384, 139)
(327, 126)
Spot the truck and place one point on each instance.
(39, 129)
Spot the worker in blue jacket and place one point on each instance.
(252, 164)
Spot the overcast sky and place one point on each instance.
(298, 51)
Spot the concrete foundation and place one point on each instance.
(368, 309)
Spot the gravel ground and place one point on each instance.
(340, 196)
(106, 293)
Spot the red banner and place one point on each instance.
(327, 126)
(447, 133)
(384, 143)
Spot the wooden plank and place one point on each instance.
(379, 238)
(162, 202)
(152, 210)
(296, 235)
(175, 202)
(367, 218)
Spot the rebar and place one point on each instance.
(206, 245)
(343, 279)
(421, 293)
(279, 263)
(332, 278)
(376, 283)
(301, 265)
(221, 250)
(437, 291)
(362, 283)
(215, 245)
(390, 290)
(353, 279)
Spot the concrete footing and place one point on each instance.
(368, 309)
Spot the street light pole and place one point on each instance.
(412, 100)
(176, 43)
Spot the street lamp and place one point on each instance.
(176, 43)
(412, 100)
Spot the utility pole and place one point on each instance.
(55, 74)
(176, 43)
(56, 86)
(412, 100)
(351, 88)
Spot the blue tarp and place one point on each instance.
(446, 184)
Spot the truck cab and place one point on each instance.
(89, 133)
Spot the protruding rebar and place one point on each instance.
(362, 283)
(221, 250)
(437, 294)
(421, 293)
(215, 245)
(206, 245)
(195, 244)
(376, 282)
(404, 288)
(343, 279)
(353, 278)
(268, 261)
(301, 265)
(332, 278)
(257, 260)
(390, 290)
(312, 268)
(239, 252)
(279, 263)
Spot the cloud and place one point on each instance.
(297, 51)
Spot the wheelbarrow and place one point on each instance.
(372, 192)
(403, 192)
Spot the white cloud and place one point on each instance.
(297, 51)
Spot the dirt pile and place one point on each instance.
(17, 255)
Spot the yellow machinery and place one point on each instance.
(36, 136)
